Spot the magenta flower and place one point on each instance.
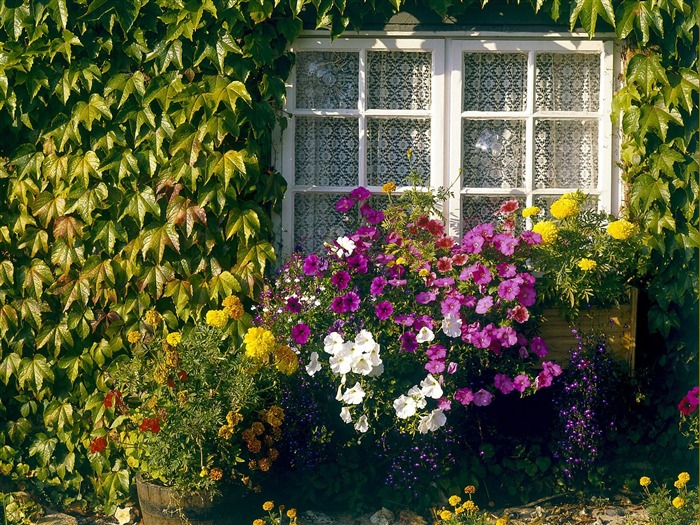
(370, 232)
(538, 347)
(544, 379)
(508, 207)
(450, 305)
(436, 352)
(344, 204)
(423, 321)
(377, 286)
(371, 215)
(294, 305)
(464, 395)
(531, 238)
(444, 404)
(508, 290)
(396, 283)
(393, 237)
(527, 295)
(460, 259)
(351, 302)
(444, 282)
(481, 339)
(425, 297)
(408, 342)
(404, 320)
(357, 262)
(360, 193)
(521, 382)
(384, 310)
(300, 333)
(503, 383)
(692, 395)
(506, 270)
(311, 264)
(341, 279)
(505, 243)
(384, 258)
(481, 275)
(445, 243)
(483, 305)
(507, 336)
(435, 367)
(338, 306)
(483, 398)
(472, 243)
(452, 368)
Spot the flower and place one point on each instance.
(454, 500)
(587, 264)
(547, 230)
(645, 481)
(678, 502)
(153, 318)
(233, 307)
(389, 187)
(216, 474)
(292, 513)
(621, 229)
(259, 343)
(469, 489)
(134, 337)
(258, 521)
(563, 208)
(98, 445)
(217, 318)
(268, 506)
(173, 338)
(445, 514)
(684, 477)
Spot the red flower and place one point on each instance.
(112, 397)
(422, 221)
(686, 407)
(445, 242)
(182, 375)
(509, 207)
(171, 383)
(436, 228)
(98, 445)
(150, 423)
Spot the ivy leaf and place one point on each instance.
(36, 241)
(88, 201)
(187, 139)
(7, 272)
(647, 189)
(55, 169)
(228, 92)
(681, 88)
(34, 371)
(646, 71)
(663, 161)
(245, 222)
(68, 229)
(72, 288)
(108, 233)
(81, 167)
(642, 12)
(54, 336)
(181, 292)
(43, 448)
(36, 276)
(19, 430)
(9, 367)
(223, 284)
(46, 207)
(140, 204)
(587, 12)
(30, 310)
(657, 117)
(86, 113)
(157, 238)
(64, 256)
(229, 164)
(8, 319)
(154, 278)
(71, 365)
(58, 414)
(184, 210)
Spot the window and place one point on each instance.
(492, 119)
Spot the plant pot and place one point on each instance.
(162, 505)
(619, 324)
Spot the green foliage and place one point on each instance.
(676, 507)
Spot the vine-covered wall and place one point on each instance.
(135, 173)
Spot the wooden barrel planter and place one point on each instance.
(162, 505)
(619, 324)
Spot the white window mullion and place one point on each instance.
(362, 120)
(454, 118)
(437, 115)
(530, 130)
(609, 196)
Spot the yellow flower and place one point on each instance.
(424, 272)
(678, 484)
(217, 318)
(233, 307)
(389, 187)
(204, 473)
(548, 231)
(563, 208)
(153, 318)
(216, 474)
(501, 521)
(226, 432)
(292, 513)
(678, 502)
(684, 477)
(134, 337)
(469, 489)
(259, 343)
(531, 211)
(286, 360)
(645, 481)
(233, 418)
(268, 506)
(587, 264)
(172, 359)
(470, 506)
(454, 500)
(445, 514)
(182, 397)
(620, 230)
(258, 522)
(160, 374)
(401, 260)
(173, 338)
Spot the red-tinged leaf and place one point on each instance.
(67, 228)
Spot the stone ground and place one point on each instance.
(547, 511)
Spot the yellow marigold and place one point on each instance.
(134, 337)
(259, 343)
(401, 260)
(469, 489)
(258, 428)
(258, 522)
(645, 481)
(445, 514)
(531, 211)
(587, 264)
(153, 318)
(684, 477)
(389, 187)
(226, 432)
(268, 506)
(182, 397)
(424, 272)
(286, 360)
(172, 359)
(204, 473)
(273, 416)
(217, 318)
(173, 338)
(620, 230)
(678, 484)
(264, 464)
(469, 506)
(454, 500)
(678, 502)
(160, 374)
(563, 208)
(233, 307)
(233, 418)
(548, 231)
(501, 521)
(216, 474)
(292, 513)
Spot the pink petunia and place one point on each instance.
(344, 204)
(521, 382)
(503, 383)
(341, 279)
(435, 366)
(483, 305)
(360, 193)
(483, 398)
(509, 207)
(301, 333)
(464, 395)
(384, 310)
(538, 347)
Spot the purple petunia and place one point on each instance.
(344, 204)
(503, 383)
(436, 352)
(361, 193)
(464, 395)
(337, 305)
(377, 286)
(404, 320)
(505, 243)
(452, 368)
(384, 310)
(483, 398)
(294, 305)
(521, 382)
(351, 302)
(301, 333)
(435, 366)
(425, 297)
(408, 342)
(371, 215)
(538, 347)
(341, 279)
(450, 305)
(311, 264)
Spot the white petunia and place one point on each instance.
(425, 335)
(452, 325)
(362, 425)
(404, 406)
(364, 341)
(432, 421)
(430, 387)
(361, 365)
(345, 246)
(377, 370)
(333, 343)
(340, 362)
(122, 515)
(354, 395)
(417, 396)
(313, 366)
(345, 415)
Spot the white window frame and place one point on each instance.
(446, 113)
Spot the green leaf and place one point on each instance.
(73, 290)
(36, 276)
(9, 367)
(7, 273)
(646, 189)
(43, 448)
(587, 11)
(646, 71)
(82, 167)
(34, 371)
(19, 430)
(88, 201)
(681, 88)
(46, 207)
(220, 89)
(187, 139)
(8, 320)
(643, 13)
(36, 241)
(180, 291)
(72, 367)
(155, 240)
(663, 161)
(223, 284)
(54, 336)
(58, 414)
(229, 164)
(108, 233)
(86, 113)
(184, 210)
(657, 118)
(245, 222)
(140, 204)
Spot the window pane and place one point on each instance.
(387, 143)
(398, 80)
(567, 82)
(477, 209)
(327, 80)
(495, 81)
(326, 151)
(316, 221)
(493, 153)
(566, 154)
